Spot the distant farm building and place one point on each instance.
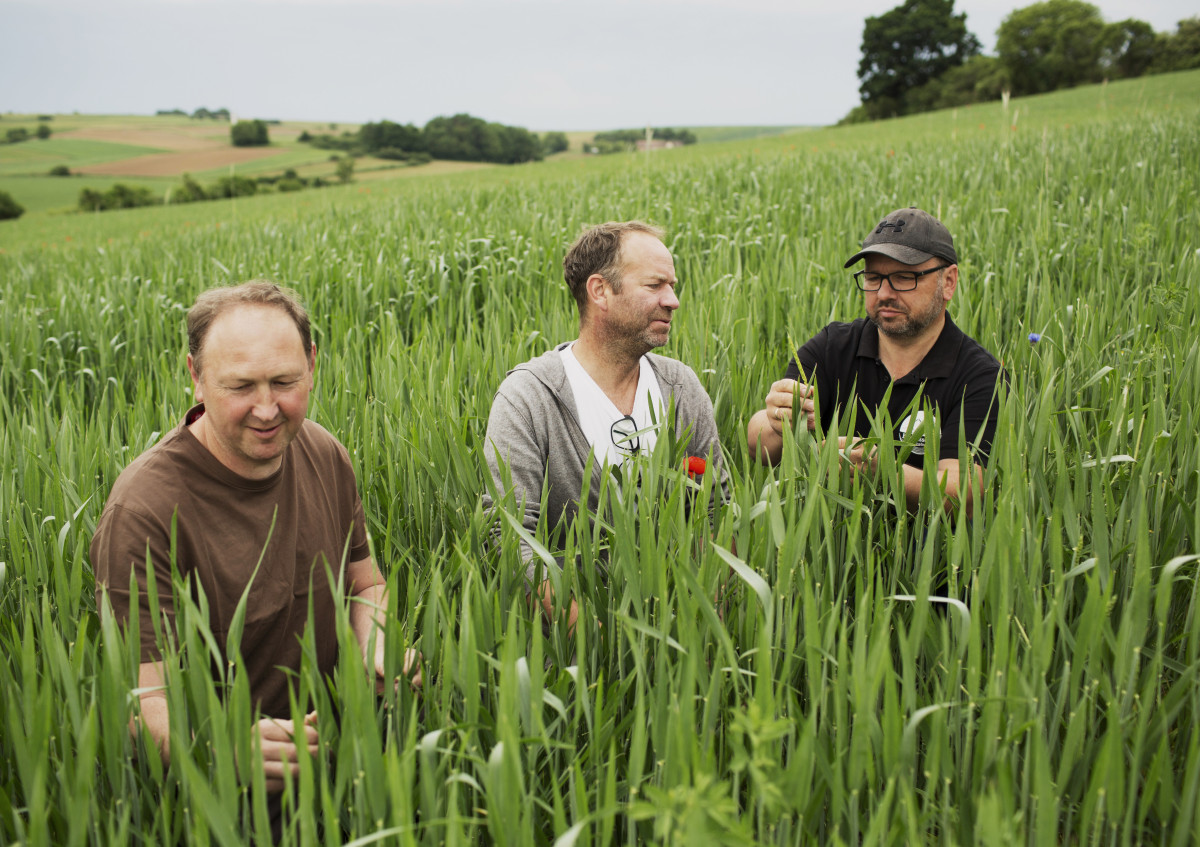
(657, 144)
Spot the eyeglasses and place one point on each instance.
(898, 280)
(624, 434)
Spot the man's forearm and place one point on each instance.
(152, 705)
(369, 600)
(948, 476)
(368, 611)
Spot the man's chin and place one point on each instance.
(658, 339)
(895, 328)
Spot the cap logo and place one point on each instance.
(896, 227)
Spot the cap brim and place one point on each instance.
(899, 252)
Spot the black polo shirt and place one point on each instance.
(957, 375)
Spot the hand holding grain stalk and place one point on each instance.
(279, 740)
(784, 397)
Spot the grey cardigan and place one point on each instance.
(534, 428)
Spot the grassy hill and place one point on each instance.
(814, 665)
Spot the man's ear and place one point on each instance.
(197, 390)
(950, 284)
(597, 288)
(312, 360)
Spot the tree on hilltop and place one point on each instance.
(1178, 51)
(466, 138)
(1127, 49)
(554, 142)
(249, 134)
(1052, 45)
(387, 135)
(908, 47)
(9, 208)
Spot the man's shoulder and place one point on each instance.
(158, 471)
(312, 433)
(835, 339)
(541, 372)
(837, 331)
(549, 363)
(972, 353)
(672, 370)
(318, 448)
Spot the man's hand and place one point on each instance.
(862, 456)
(280, 740)
(546, 592)
(411, 669)
(367, 618)
(780, 401)
(764, 435)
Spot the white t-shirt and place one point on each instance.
(604, 424)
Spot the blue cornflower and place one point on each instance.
(1035, 337)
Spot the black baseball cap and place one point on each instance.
(909, 236)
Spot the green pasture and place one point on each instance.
(60, 194)
(812, 666)
(35, 158)
(68, 122)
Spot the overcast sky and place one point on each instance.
(542, 64)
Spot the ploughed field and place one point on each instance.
(864, 675)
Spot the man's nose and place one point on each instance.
(265, 405)
(671, 301)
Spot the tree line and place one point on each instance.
(201, 114)
(17, 134)
(921, 56)
(121, 196)
(461, 137)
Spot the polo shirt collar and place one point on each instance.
(938, 362)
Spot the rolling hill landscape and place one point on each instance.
(811, 664)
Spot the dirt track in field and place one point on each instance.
(176, 139)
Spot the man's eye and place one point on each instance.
(905, 279)
(872, 279)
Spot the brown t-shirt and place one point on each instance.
(223, 527)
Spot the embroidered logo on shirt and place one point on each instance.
(912, 425)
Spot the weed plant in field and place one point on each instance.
(815, 665)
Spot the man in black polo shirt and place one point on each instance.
(907, 343)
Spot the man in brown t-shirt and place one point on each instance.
(248, 492)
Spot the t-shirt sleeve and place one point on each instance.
(360, 545)
(123, 542)
(979, 411)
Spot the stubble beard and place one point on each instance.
(914, 323)
(636, 340)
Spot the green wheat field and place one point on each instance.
(852, 674)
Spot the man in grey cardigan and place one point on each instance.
(602, 393)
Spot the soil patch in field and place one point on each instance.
(172, 164)
(176, 138)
